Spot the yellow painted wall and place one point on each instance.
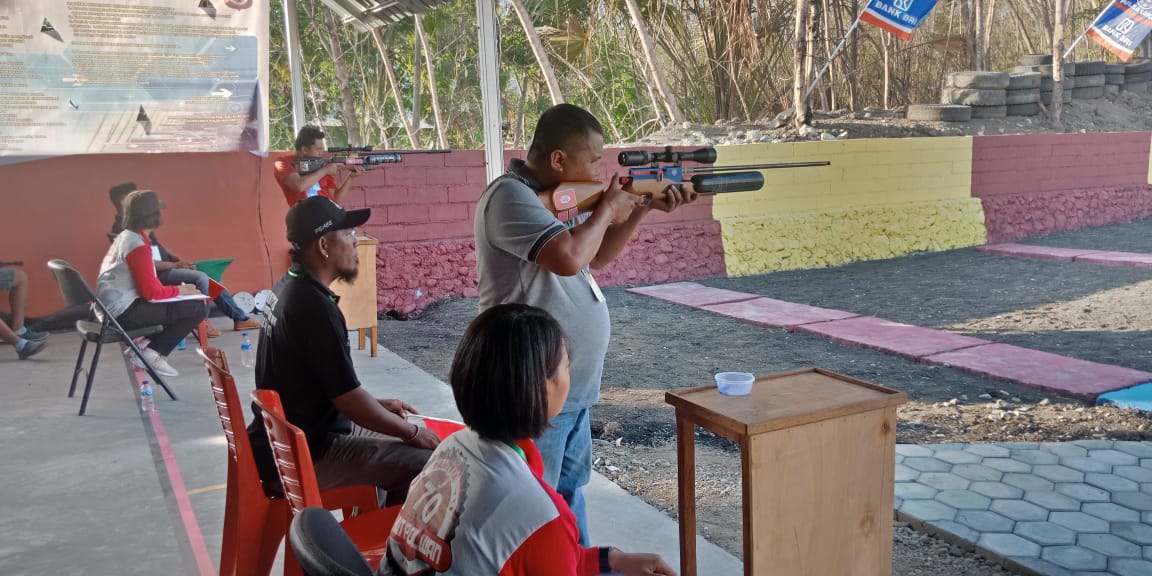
(878, 199)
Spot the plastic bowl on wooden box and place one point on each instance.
(735, 383)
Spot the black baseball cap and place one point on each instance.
(314, 217)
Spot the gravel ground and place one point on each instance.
(1097, 313)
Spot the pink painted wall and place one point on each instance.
(1036, 184)
(423, 211)
(222, 205)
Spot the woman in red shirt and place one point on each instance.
(128, 285)
(480, 506)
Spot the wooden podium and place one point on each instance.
(818, 459)
(358, 299)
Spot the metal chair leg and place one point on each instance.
(79, 367)
(91, 376)
(148, 367)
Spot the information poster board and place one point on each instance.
(81, 76)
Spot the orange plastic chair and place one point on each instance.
(294, 461)
(254, 524)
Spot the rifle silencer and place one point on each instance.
(731, 182)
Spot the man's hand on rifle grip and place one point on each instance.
(618, 201)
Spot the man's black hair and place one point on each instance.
(561, 127)
(500, 371)
(308, 136)
(117, 193)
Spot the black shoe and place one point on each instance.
(30, 348)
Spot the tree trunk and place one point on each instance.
(1057, 107)
(970, 33)
(831, 90)
(799, 69)
(417, 88)
(386, 60)
(658, 76)
(441, 136)
(886, 43)
(538, 51)
(347, 104)
(986, 35)
(853, 80)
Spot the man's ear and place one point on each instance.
(557, 160)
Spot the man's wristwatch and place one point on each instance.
(605, 567)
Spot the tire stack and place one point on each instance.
(1089, 78)
(1023, 94)
(938, 113)
(1137, 74)
(1042, 64)
(984, 92)
(1113, 79)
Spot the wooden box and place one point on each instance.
(818, 453)
(358, 299)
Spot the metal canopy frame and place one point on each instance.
(368, 14)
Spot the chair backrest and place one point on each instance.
(323, 548)
(290, 451)
(230, 411)
(73, 288)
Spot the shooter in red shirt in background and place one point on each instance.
(310, 144)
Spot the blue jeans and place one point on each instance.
(566, 448)
(224, 301)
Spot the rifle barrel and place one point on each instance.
(708, 169)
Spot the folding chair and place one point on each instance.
(323, 548)
(76, 292)
(294, 462)
(254, 524)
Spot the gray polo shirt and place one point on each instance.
(512, 227)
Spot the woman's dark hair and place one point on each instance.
(500, 370)
(142, 210)
(562, 127)
(308, 136)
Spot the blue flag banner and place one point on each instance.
(900, 17)
(1122, 26)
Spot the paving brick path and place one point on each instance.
(1052, 509)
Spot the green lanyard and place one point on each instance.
(518, 450)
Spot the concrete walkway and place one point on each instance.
(126, 491)
(1052, 509)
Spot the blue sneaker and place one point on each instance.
(30, 334)
(26, 349)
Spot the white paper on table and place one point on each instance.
(180, 298)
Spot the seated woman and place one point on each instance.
(480, 505)
(128, 284)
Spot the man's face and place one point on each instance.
(582, 162)
(318, 149)
(341, 247)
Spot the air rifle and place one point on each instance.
(647, 177)
(364, 156)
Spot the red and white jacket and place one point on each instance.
(128, 272)
(479, 507)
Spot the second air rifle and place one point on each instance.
(365, 157)
(651, 174)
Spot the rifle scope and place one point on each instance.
(730, 182)
(641, 157)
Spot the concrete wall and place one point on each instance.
(878, 199)
(1036, 184)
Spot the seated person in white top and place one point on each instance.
(128, 282)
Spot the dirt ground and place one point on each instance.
(1097, 313)
(1126, 111)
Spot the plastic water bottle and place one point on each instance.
(145, 389)
(247, 358)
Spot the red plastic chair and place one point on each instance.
(294, 461)
(254, 524)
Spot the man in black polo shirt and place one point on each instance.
(304, 355)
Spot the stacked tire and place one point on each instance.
(1089, 78)
(1023, 94)
(1042, 65)
(1137, 74)
(1113, 79)
(984, 92)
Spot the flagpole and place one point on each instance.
(832, 57)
